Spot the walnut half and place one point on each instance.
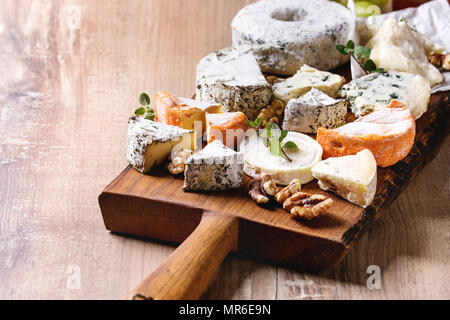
(307, 206)
(273, 112)
(178, 161)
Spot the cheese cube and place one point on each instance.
(228, 127)
(150, 143)
(214, 168)
(312, 111)
(305, 79)
(352, 177)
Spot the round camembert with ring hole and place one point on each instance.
(258, 158)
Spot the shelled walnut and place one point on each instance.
(272, 79)
(307, 206)
(257, 193)
(440, 60)
(273, 112)
(176, 166)
(293, 187)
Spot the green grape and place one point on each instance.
(379, 3)
(343, 2)
(366, 9)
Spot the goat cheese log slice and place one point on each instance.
(232, 78)
(228, 127)
(305, 79)
(375, 91)
(352, 177)
(214, 168)
(259, 159)
(150, 143)
(312, 111)
(388, 133)
(285, 34)
(182, 112)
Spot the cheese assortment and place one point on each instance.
(388, 133)
(150, 143)
(312, 111)
(214, 168)
(305, 79)
(238, 109)
(353, 177)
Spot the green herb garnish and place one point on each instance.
(361, 55)
(145, 111)
(272, 137)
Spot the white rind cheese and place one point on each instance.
(287, 34)
(214, 168)
(352, 177)
(150, 143)
(305, 79)
(232, 78)
(259, 159)
(396, 47)
(375, 91)
(312, 111)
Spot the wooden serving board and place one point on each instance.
(217, 223)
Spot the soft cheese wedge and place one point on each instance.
(182, 112)
(214, 168)
(388, 133)
(228, 127)
(376, 90)
(305, 79)
(312, 111)
(259, 159)
(150, 143)
(352, 177)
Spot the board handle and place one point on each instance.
(186, 273)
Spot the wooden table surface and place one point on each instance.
(72, 72)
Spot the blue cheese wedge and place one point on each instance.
(375, 91)
(214, 168)
(232, 78)
(150, 143)
(305, 79)
(352, 177)
(312, 111)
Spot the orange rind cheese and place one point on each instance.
(228, 127)
(182, 112)
(388, 133)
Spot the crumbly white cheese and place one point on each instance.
(312, 111)
(287, 34)
(397, 47)
(150, 143)
(376, 90)
(352, 177)
(232, 77)
(305, 79)
(259, 159)
(214, 168)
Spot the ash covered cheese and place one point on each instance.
(353, 177)
(150, 143)
(305, 79)
(312, 111)
(287, 34)
(232, 78)
(214, 168)
(375, 91)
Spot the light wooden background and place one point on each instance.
(71, 74)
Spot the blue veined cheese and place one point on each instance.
(150, 143)
(232, 78)
(352, 177)
(286, 34)
(312, 111)
(305, 79)
(214, 168)
(375, 91)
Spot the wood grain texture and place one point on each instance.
(71, 75)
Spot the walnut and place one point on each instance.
(307, 206)
(272, 79)
(257, 194)
(273, 112)
(440, 60)
(269, 185)
(283, 194)
(176, 166)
